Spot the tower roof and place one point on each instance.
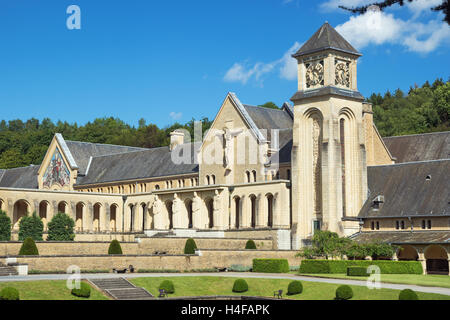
(326, 38)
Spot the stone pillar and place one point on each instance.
(261, 211)
(73, 211)
(423, 261)
(105, 217)
(138, 216)
(88, 217)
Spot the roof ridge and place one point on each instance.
(411, 162)
(131, 152)
(418, 134)
(107, 144)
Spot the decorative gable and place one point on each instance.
(56, 172)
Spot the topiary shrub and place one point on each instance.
(295, 287)
(250, 245)
(344, 292)
(28, 248)
(114, 247)
(408, 294)
(168, 286)
(240, 285)
(83, 292)
(5, 227)
(190, 246)
(31, 227)
(357, 271)
(9, 293)
(270, 265)
(60, 228)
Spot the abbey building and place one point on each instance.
(318, 163)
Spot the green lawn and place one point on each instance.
(48, 290)
(415, 279)
(202, 286)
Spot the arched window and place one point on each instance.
(62, 207)
(254, 175)
(113, 218)
(207, 181)
(247, 176)
(157, 187)
(270, 211)
(213, 179)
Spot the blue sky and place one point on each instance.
(174, 60)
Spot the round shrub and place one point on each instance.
(9, 293)
(60, 228)
(190, 246)
(31, 227)
(28, 248)
(5, 227)
(168, 286)
(240, 285)
(250, 244)
(344, 292)
(295, 287)
(83, 292)
(407, 294)
(114, 247)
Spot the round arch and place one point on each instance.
(237, 211)
(113, 208)
(79, 216)
(169, 205)
(62, 207)
(407, 252)
(270, 203)
(21, 209)
(252, 198)
(96, 217)
(437, 259)
(188, 205)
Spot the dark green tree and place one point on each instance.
(28, 248)
(5, 227)
(60, 228)
(31, 226)
(190, 246)
(114, 247)
(270, 105)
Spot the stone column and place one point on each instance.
(105, 218)
(423, 261)
(261, 211)
(277, 220)
(73, 211)
(88, 217)
(138, 216)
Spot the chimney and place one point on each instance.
(176, 138)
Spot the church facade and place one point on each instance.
(318, 163)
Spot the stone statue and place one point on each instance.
(196, 205)
(228, 136)
(216, 206)
(176, 212)
(158, 218)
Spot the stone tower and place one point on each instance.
(329, 172)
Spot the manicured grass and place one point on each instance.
(48, 290)
(207, 286)
(415, 279)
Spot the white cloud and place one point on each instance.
(286, 65)
(176, 115)
(378, 27)
(419, 6)
(331, 5)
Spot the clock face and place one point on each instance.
(342, 74)
(314, 74)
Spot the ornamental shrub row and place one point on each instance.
(84, 291)
(357, 271)
(340, 266)
(270, 265)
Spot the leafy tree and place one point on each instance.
(60, 228)
(190, 246)
(5, 227)
(31, 226)
(444, 7)
(270, 105)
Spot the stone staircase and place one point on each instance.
(7, 271)
(121, 289)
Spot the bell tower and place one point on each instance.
(329, 172)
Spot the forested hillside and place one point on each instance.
(423, 109)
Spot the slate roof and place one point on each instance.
(82, 151)
(401, 237)
(150, 163)
(23, 178)
(419, 147)
(407, 191)
(326, 38)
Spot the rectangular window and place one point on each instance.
(429, 224)
(372, 225)
(378, 225)
(317, 225)
(423, 224)
(397, 225)
(403, 224)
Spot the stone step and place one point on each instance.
(8, 271)
(129, 294)
(117, 283)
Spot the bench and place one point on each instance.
(221, 269)
(278, 294)
(130, 268)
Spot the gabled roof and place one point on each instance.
(419, 147)
(144, 164)
(83, 151)
(21, 178)
(267, 118)
(326, 38)
(409, 189)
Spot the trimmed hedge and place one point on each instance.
(83, 292)
(28, 248)
(5, 226)
(357, 271)
(408, 294)
(168, 286)
(344, 292)
(270, 265)
(240, 285)
(340, 266)
(190, 246)
(9, 293)
(295, 287)
(114, 247)
(250, 245)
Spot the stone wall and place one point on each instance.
(144, 246)
(206, 260)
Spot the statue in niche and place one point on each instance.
(196, 205)
(228, 139)
(157, 214)
(176, 211)
(216, 205)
